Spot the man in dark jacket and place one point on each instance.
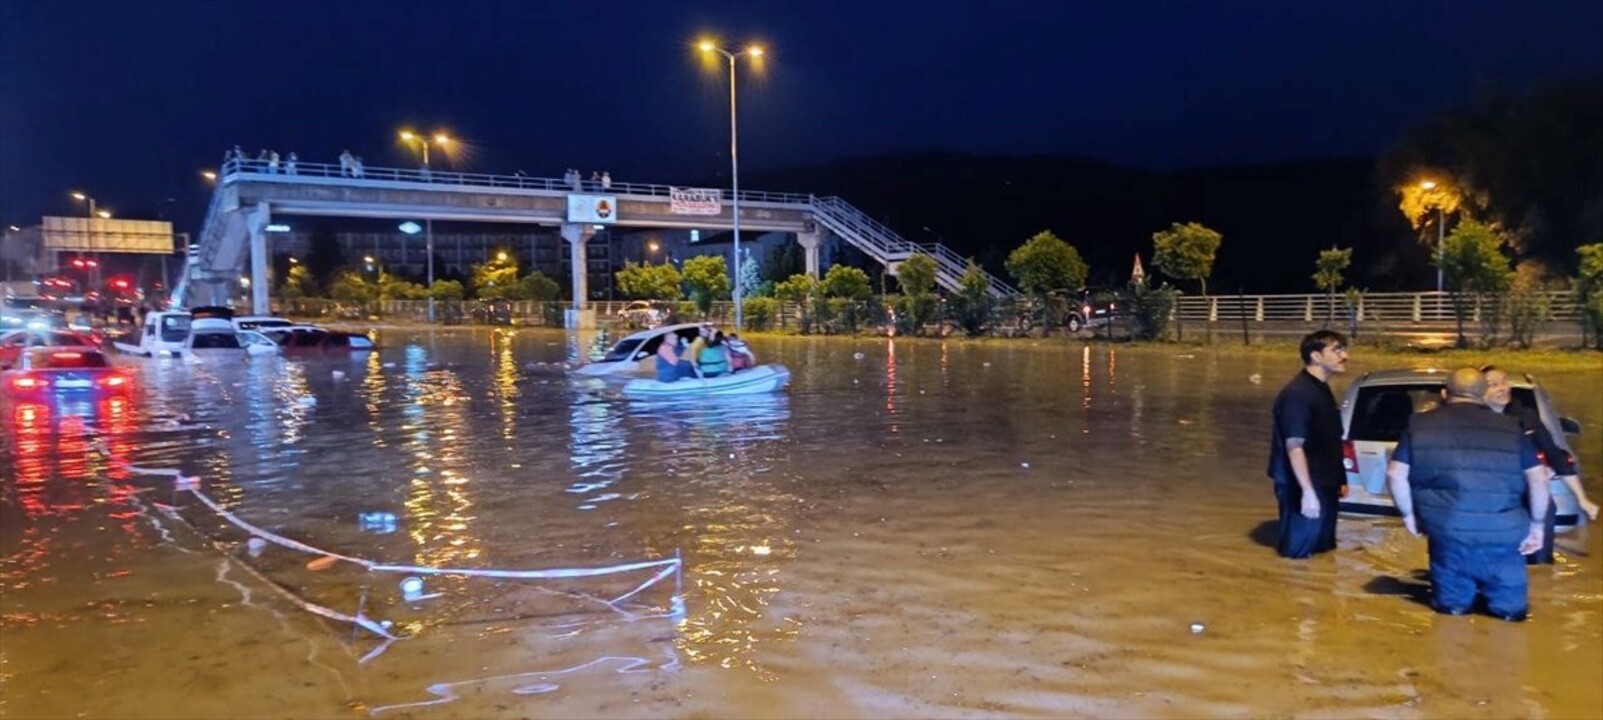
(1470, 481)
(1305, 450)
(1500, 398)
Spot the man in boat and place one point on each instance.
(740, 355)
(1305, 450)
(1469, 480)
(671, 364)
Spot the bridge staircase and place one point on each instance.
(883, 244)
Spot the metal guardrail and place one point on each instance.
(1405, 308)
(237, 169)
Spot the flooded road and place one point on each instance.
(915, 529)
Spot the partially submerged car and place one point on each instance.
(299, 341)
(1375, 415)
(635, 354)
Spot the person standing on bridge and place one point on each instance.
(289, 164)
(606, 180)
(347, 164)
(272, 161)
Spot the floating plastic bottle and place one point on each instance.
(377, 522)
(412, 588)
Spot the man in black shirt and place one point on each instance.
(1305, 450)
(1499, 397)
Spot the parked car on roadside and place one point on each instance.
(642, 314)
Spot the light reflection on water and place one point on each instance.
(1011, 508)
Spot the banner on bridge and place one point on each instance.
(595, 209)
(81, 234)
(695, 201)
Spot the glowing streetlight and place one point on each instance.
(210, 175)
(367, 259)
(501, 256)
(439, 140)
(103, 214)
(1441, 231)
(442, 141)
(752, 51)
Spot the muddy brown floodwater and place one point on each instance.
(915, 529)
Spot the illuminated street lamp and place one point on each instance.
(210, 175)
(1441, 232)
(89, 239)
(442, 141)
(753, 52)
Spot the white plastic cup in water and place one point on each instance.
(412, 588)
(255, 546)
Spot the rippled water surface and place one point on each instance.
(914, 529)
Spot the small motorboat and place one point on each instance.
(757, 380)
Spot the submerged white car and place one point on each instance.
(635, 354)
(1375, 415)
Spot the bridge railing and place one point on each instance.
(236, 168)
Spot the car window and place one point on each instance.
(622, 351)
(1381, 412)
(215, 341)
(308, 339)
(339, 341)
(174, 328)
(68, 359)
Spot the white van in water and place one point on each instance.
(164, 333)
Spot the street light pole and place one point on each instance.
(734, 162)
(1441, 233)
(441, 139)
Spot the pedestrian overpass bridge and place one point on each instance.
(251, 193)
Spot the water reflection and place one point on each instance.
(1051, 519)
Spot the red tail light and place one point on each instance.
(1349, 457)
(113, 380)
(28, 382)
(67, 356)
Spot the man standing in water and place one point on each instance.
(1469, 481)
(1500, 398)
(1305, 450)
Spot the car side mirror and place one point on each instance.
(1569, 426)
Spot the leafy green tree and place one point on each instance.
(1328, 271)
(707, 277)
(1475, 268)
(297, 284)
(1147, 309)
(760, 312)
(447, 290)
(916, 274)
(649, 282)
(351, 287)
(1589, 290)
(1186, 252)
(1045, 264)
(536, 286)
(845, 281)
(972, 306)
(391, 287)
(497, 277)
(799, 289)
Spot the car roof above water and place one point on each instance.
(1426, 376)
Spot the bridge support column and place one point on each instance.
(811, 242)
(256, 221)
(578, 235)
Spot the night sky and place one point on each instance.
(129, 100)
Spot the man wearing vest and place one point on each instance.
(1469, 481)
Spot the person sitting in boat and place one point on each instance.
(670, 364)
(712, 359)
(740, 355)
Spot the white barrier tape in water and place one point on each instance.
(190, 484)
